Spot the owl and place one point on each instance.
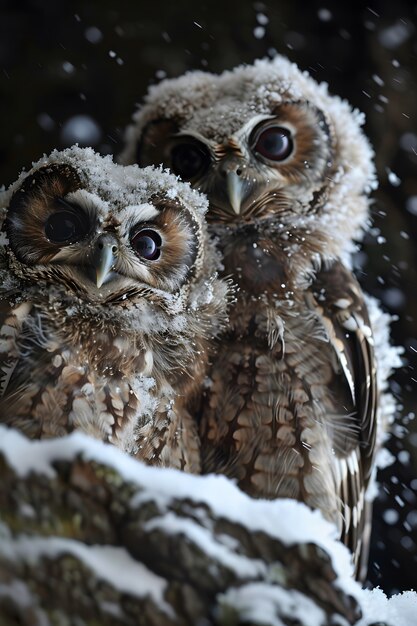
(291, 408)
(110, 302)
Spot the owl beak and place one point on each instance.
(104, 258)
(235, 191)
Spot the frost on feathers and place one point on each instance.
(130, 184)
(308, 205)
(106, 356)
(199, 100)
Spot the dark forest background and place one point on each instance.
(73, 71)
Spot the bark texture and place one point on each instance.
(82, 545)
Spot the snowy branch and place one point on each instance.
(90, 536)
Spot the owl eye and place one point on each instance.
(66, 225)
(147, 243)
(188, 160)
(274, 143)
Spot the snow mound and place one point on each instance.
(261, 598)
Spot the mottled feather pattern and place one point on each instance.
(270, 408)
(291, 405)
(281, 395)
(110, 303)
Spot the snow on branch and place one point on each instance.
(91, 536)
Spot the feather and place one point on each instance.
(294, 374)
(121, 358)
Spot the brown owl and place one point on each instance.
(292, 405)
(110, 302)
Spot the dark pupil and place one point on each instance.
(65, 227)
(274, 144)
(147, 244)
(187, 160)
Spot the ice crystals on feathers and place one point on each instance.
(97, 334)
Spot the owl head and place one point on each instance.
(113, 241)
(262, 141)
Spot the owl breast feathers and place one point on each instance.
(109, 304)
(292, 410)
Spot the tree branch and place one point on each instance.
(90, 536)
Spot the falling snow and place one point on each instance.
(259, 32)
(93, 34)
(72, 103)
(324, 15)
(395, 35)
(411, 205)
(81, 129)
(393, 178)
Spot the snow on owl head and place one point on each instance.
(262, 140)
(112, 302)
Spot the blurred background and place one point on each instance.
(72, 72)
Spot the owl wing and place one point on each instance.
(17, 384)
(339, 301)
(170, 439)
(9, 323)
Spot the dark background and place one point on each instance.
(60, 60)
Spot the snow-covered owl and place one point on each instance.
(292, 406)
(109, 304)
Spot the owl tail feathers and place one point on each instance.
(361, 555)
